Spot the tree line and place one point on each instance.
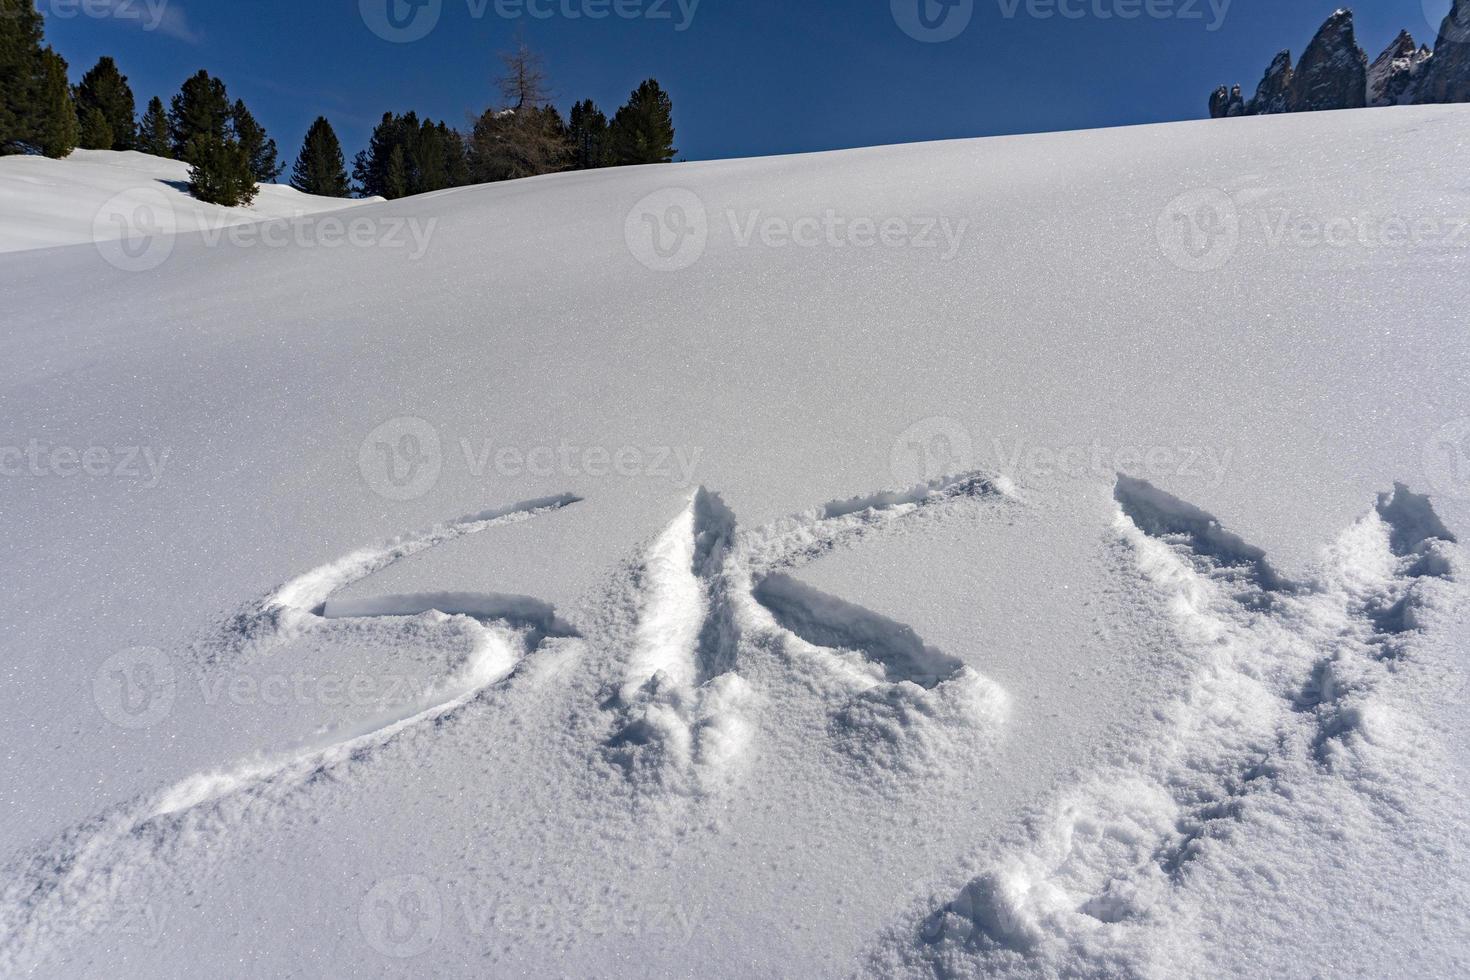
(522, 135)
(230, 154)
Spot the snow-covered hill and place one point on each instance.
(1027, 556)
(94, 195)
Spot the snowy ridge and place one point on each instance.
(51, 203)
(1268, 724)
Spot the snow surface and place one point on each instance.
(778, 696)
(46, 203)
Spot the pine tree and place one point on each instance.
(405, 156)
(396, 183)
(259, 147)
(643, 130)
(370, 167)
(59, 130)
(456, 159)
(201, 109)
(319, 168)
(153, 130)
(430, 162)
(587, 131)
(220, 171)
(106, 90)
(96, 134)
(21, 74)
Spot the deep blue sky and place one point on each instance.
(748, 77)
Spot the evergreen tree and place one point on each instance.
(405, 156)
(320, 169)
(587, 132)
(430, 160)
(370, 168)
(259, 147)
(396, 182)
(106, 90)
(643, 130)
(220, 171)
(456, 159)
(21, 74)
(96, 134)
(153, 130)
(201, 109)
(57, 133)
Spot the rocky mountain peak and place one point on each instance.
(1334, 73)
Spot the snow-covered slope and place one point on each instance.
(1028, 556)
(91, 195)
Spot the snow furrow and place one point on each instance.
(1267, 723)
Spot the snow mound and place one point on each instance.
(48, 203)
